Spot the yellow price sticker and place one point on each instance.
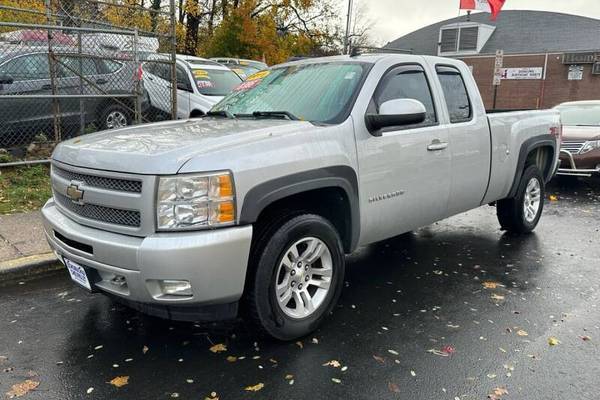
(200, 73)
(259, 75)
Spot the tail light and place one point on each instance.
(556, 132)
(139, 73)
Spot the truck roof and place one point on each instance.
(371, 58)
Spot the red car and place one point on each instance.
(580, 149)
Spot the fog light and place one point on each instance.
(175, 288)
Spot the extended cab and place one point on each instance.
(255, 205)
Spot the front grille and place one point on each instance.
(572, 146)
(100, 213)
(123, 185)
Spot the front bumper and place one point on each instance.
(213, 261)
(573, 170)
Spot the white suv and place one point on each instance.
(201, 83)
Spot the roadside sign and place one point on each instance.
(499, 62)
(522, 73)
(575, 73)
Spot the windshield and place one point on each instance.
(582, 115)
(320, 92)
(215, 82)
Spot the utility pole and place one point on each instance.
(347, 41)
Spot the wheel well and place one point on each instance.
(196, 114)
(542, 157)
(331, 203)
(127, 103)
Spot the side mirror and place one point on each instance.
(6, 80)
(397, 112)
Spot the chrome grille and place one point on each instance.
(100, 213)
(573, 147)
(123, 185)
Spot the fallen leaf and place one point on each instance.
(553, 197)
(448, 349)
(231, 359)
(119, 381)
(90, 390)
(332, 363)
(497, 297)
(21, 389)
(490, 285)
(315, 340)
(394, 352)
(344, 368)
(521, 332)
(213, 396)
(552, 341)
(217, 348)
(255, 388)
(380, 360)
(586, 338)
(393, 387)
(336, 380)
(288, 377)
(497, 393)
(299, 344)
(145, 349)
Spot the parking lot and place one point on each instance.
(456, 310)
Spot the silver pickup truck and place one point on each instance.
(253, 207)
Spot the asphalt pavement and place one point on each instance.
(456, 310)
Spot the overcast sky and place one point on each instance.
(394, 18)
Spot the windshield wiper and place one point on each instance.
(277, 114)
(220, 113)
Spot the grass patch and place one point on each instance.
(24, 188)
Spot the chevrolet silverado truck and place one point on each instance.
(253, 207)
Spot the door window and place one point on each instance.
(26, 68)
(407, 82)
(69, 66)
(183, 80)
(455, 92)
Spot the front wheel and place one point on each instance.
(522, 213)
(298, 276)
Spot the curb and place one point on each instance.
(29, 266)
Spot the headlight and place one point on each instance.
(195, 201)
(589, 146)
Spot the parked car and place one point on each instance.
(201, 83)
(244, 68)
(255, 205)
(580, 149)
(25, 77)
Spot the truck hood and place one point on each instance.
(581, 132)
(163, 148)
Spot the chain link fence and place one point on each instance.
(73, 67)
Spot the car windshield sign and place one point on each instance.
(215, 82)
(318, 92)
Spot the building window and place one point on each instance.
(468, 39)
(449, 40)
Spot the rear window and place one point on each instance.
(215, 82)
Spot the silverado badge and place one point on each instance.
(74, 193)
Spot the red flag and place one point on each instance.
(492, 6)
(496, 7)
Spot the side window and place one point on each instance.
(110, 67)
(407, 82)
(69, 66)
(455, 92)
(26, 68)
(182, 78)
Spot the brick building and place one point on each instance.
(549, 58)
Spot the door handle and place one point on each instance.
(46, 87)
(437, 145)
(101, 81)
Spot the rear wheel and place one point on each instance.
(522, 213)
(115, 116)
(298, 276)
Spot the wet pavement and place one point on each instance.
(457, 310)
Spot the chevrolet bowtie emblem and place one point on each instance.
(74, 193)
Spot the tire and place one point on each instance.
(115, 116)
(272, 267)
(522, 213)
